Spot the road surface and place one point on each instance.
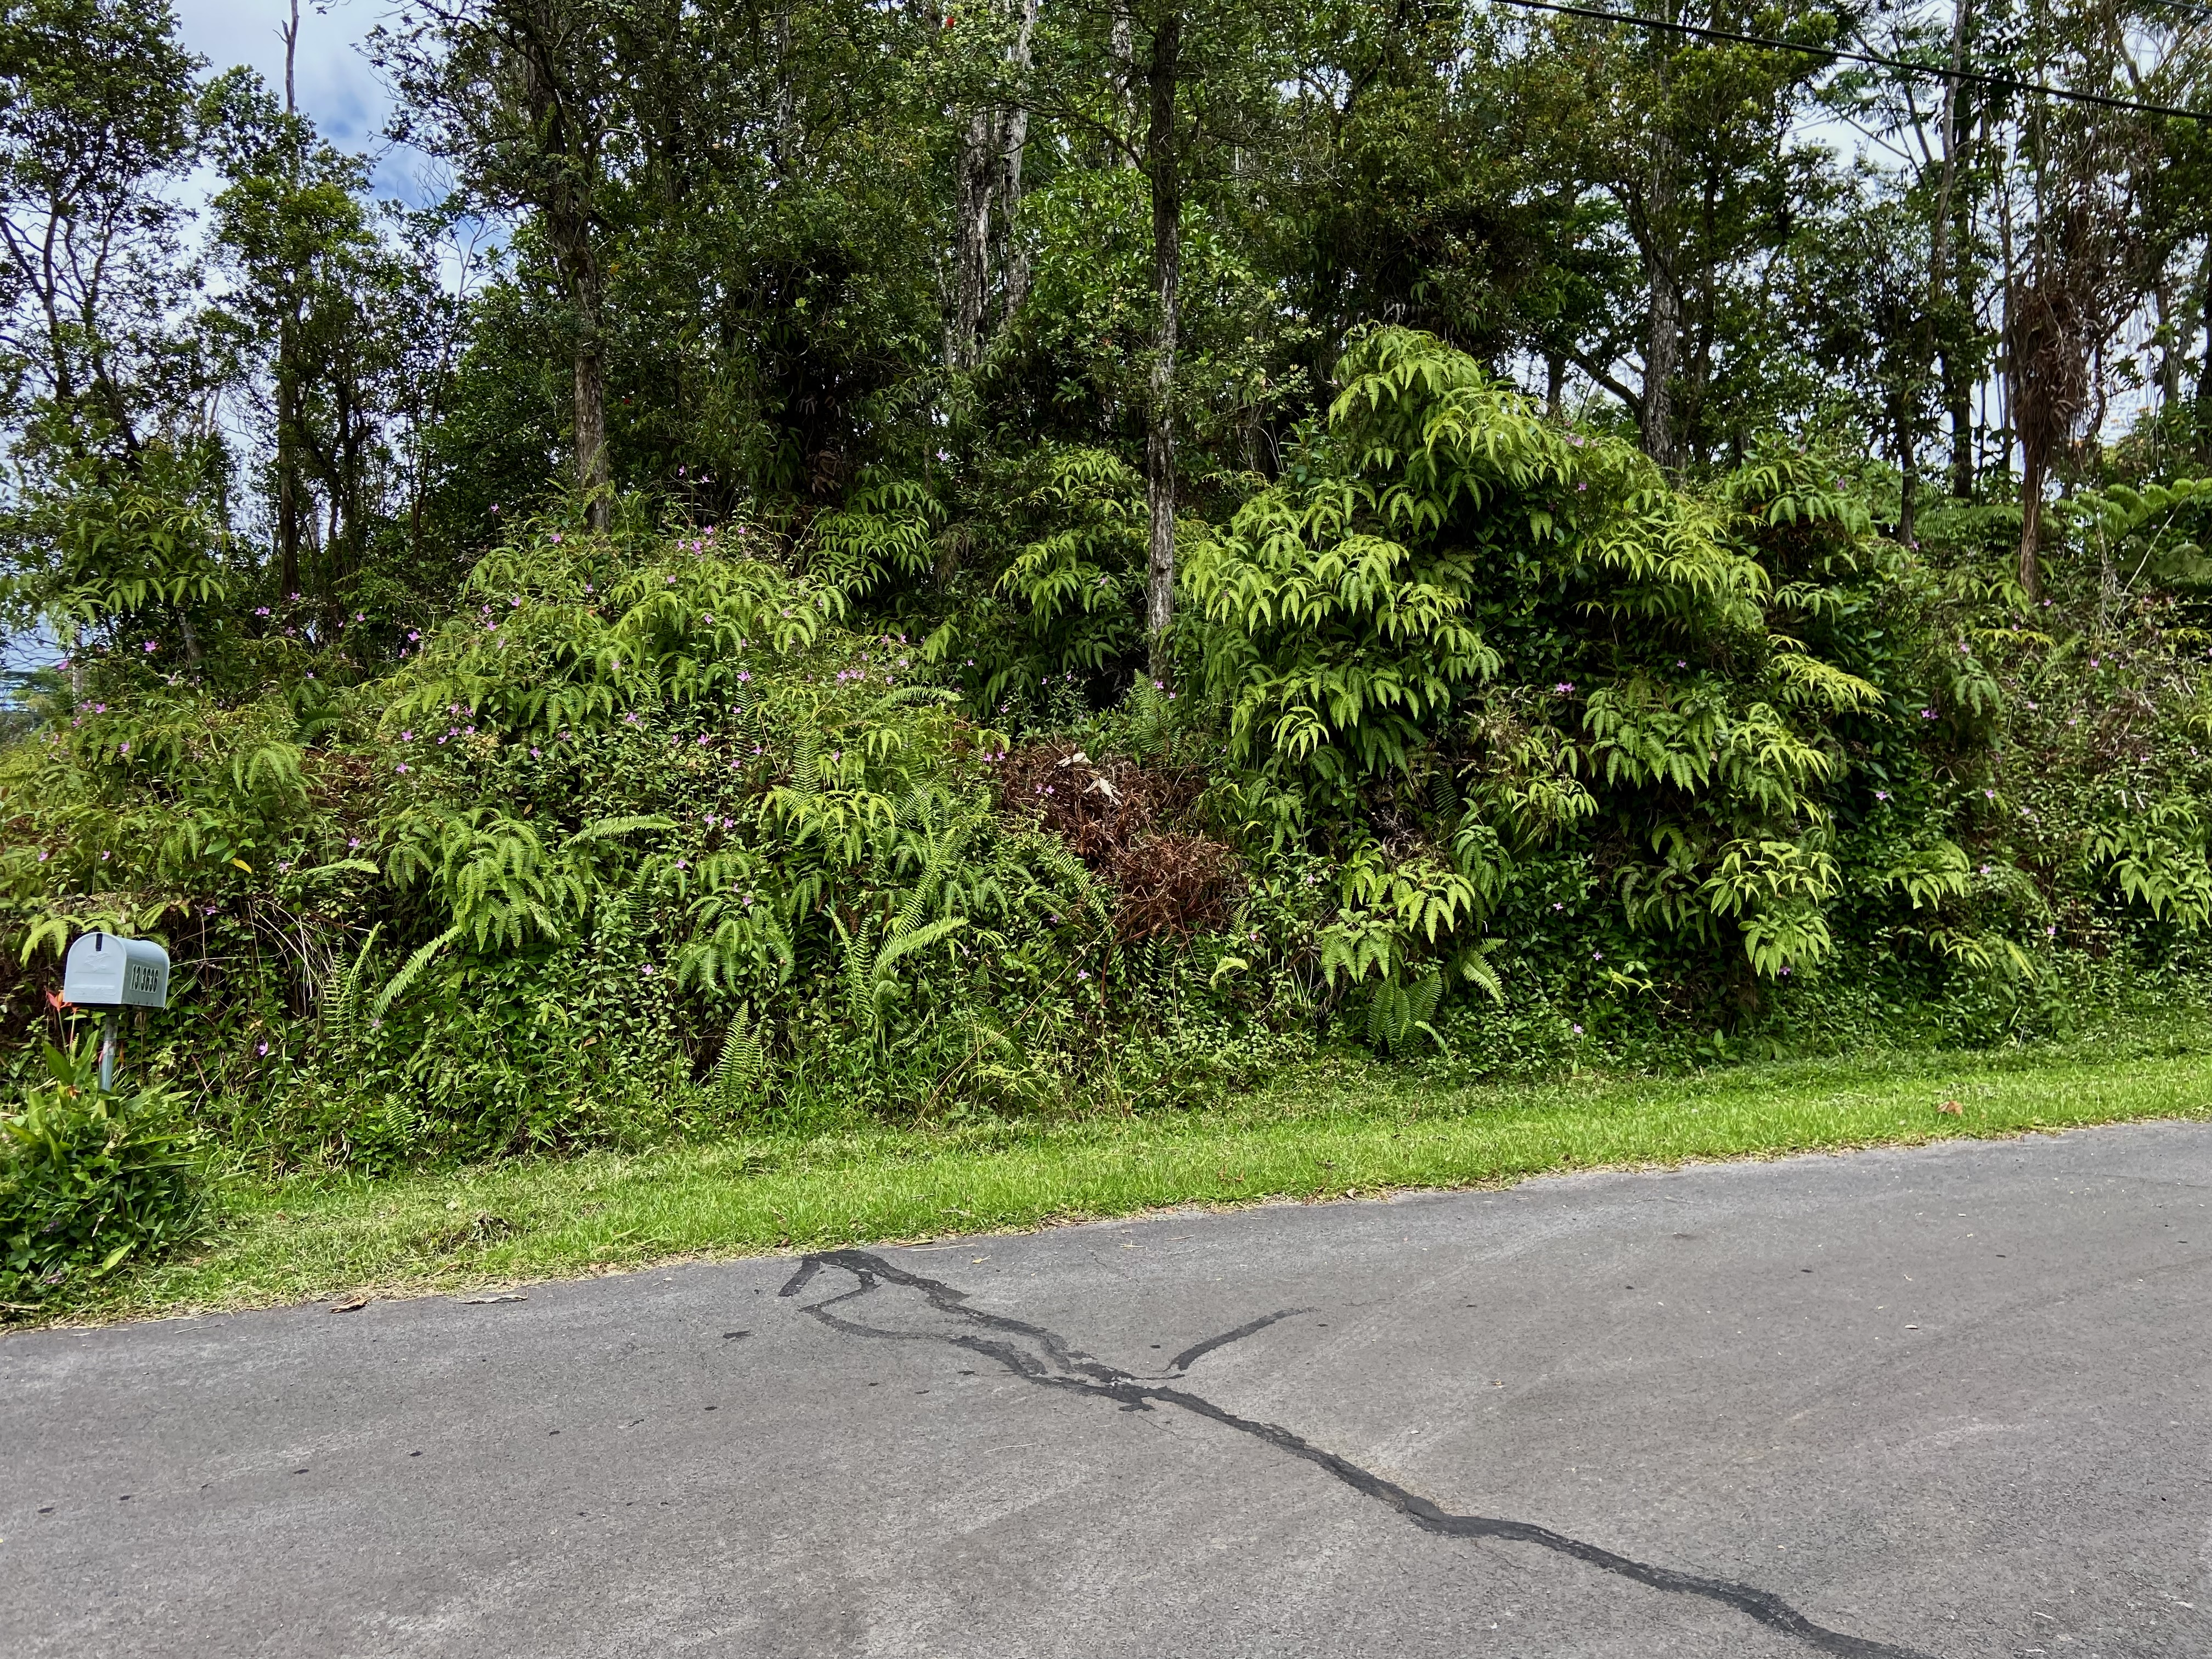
(1947, 1402)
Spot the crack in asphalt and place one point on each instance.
(1043, 1356)
(1198, 1351)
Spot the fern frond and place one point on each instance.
(410, 969)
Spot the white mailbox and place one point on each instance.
(105, 970)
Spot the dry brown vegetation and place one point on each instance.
(1130, 825)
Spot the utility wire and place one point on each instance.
(1839, 55)
(2182, 6)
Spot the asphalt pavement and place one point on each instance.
(1946, 1402)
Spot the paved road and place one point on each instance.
(1946, 1403)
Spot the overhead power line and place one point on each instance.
(2188, 6)
(1839, 55)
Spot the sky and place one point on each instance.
(338, 86)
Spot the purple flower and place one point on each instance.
(402, 767)
(1881, 795)
(1576, 1029)
(151, 645)
(353, 844)
(260, 1047)
(1083, 973)
(126, 747)
(1565, 688)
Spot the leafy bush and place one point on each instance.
(1490, 743)
(91, 1181)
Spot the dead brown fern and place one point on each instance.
(1127, 823)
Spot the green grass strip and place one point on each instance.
(1354, 1131)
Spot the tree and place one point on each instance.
(1690, 144)
(95, 113)
(524, 99)
(315, 317)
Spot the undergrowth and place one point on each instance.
(1490, 751)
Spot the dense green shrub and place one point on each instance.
(90, 1181)
(1490, 743)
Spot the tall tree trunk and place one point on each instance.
(289, 33)
(287, 455)
(1013, 141)
(1908, 482)
(971, 259)
(288, 370)
(1662, 332)
(1662, 337)
(1123, 42)
(568, 208)
(595, 472)
(1927, 347)
(1662, 345)
(1163, 173)
(1958, 413)
(2205, 363)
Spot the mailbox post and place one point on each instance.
(110, 972)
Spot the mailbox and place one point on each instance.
(106, 971)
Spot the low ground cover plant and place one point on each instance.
(92, 1182)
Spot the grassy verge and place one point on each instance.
(1352, 1130)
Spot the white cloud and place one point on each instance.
(336, 85)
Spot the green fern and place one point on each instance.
(744, 1060)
